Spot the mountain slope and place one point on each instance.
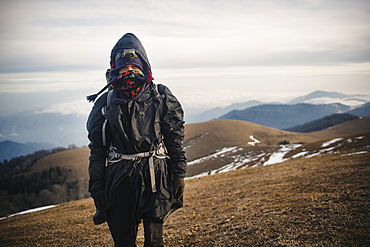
(202, 139)
(76, 161)
(362, 111)
(218, 143)
(211, 147)
(323, 123)
(320, 201)
(285, 116)
(218, 111)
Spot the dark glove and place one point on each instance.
(99, 202)
(178, 186)
(100, 215)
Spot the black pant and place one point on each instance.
(123, 223)
(153, 232)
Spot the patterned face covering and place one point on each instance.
(130, 83)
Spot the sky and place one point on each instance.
(209, 53)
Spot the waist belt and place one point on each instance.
(114, 157)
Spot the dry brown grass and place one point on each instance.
(75, 161)
(221, 133)
(204, 138)
(321, 201)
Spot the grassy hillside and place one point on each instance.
(75, 161)
(202, 140)
(318, 201)
(205, 138)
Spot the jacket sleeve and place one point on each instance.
(98, 152)
(173, 132)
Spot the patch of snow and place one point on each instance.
(255, 141)
(236, 164)
(30, 211)
(328, 143)
(244, 161)
(300, 154)
(360, 137)
(187, 146)
(278, 157)
(362, 152)
(203, 174)
(221, 152)
(313, 154)
(326, 150)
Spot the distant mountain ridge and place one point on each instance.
(323, 97)
(61, 130)
(362, 111)
(10, 149)
(314, 98)
(285, 116)
(323, 123)
(219, 111)
(317, 94)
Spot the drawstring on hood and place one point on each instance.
(128, 50)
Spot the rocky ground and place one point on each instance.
(318, 201)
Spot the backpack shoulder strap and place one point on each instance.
(104, 112)
(158, 88)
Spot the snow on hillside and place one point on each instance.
(30, 211)
(265, 158)
(255, 141)
(215, 155)
(328, 143)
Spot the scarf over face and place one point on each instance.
(130, 83)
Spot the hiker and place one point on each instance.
(137, 161)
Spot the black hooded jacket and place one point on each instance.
(138, 126)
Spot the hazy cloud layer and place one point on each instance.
(208, 52)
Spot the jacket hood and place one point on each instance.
(128, 41)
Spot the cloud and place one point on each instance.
(197, 48)
(182, 34)
(80, 108)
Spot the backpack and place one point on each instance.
(104, 109)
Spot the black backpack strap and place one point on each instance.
(104, 112)
(160, 96)
(158, 88)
